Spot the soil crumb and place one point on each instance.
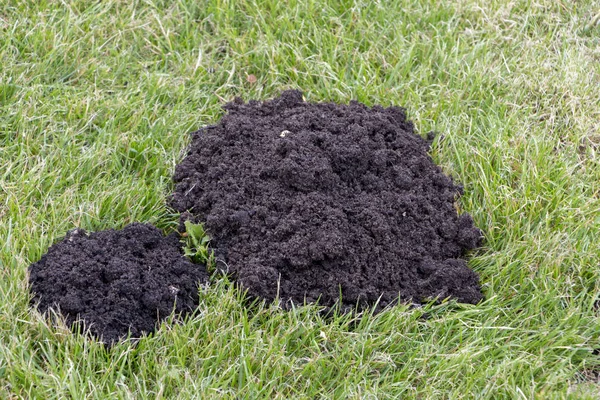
(116, 281)
(320, 202)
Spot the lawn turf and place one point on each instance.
(97, 98)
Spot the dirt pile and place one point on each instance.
(320, 201)
(116, 281)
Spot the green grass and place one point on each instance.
(97, 98)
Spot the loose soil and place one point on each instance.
(116, 281)
(313, 202)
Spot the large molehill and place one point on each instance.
(322, 202)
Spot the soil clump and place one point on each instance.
(116, 281)
(320, 202)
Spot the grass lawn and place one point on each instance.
(96, 102)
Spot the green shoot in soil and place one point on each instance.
(196, 245)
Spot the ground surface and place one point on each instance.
(96, 103)
(117, 282)
(323, 202)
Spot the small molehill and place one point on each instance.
(116, 281)
(317, 202)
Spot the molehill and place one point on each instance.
(321, 202)
(116, 282)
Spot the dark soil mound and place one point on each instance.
(317, 201)
(116, 281)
